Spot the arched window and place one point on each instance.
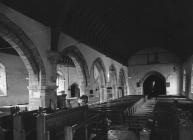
(3, 82)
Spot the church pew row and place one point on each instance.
(73, 124)
(23, 125)
(164, 120)
(52, 126)
(115, 109)
(137, 123)
(18, 126)
(185, 118)
(136, 119)
(6, 127)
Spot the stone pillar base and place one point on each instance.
(34, 103)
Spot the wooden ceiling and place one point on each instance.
(118, 28)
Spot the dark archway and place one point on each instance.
(154, 84)
(75, 90)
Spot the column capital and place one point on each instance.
(50, 87)
(53, 56)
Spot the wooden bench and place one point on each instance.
(115, 109)
(24, 125)
(75, 123)
(6, 127)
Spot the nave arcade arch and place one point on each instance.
(72, 68)
(30, 56)
(98, 80)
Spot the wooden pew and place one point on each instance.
(24, 125)
(80, 121)
(115, 108)
(50, 126)
(165, 120)
(70, 124)
(6, 127)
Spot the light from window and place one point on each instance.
(60, 83)
(3, 83)
(184, 81)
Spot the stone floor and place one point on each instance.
(121, 135)
(121, 132)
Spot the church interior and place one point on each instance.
(96, 70)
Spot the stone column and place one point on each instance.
(50, 90)
(101, 91)
(125, 90)
(34, 97)
(34, 92)
(114, 92)
(53, 58)
(104, 89)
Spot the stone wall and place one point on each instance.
(150, 60)
(16, 78)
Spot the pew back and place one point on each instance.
(52, 126)
(25, 125)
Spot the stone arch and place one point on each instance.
(29, 54)
(100, 81)
(152, 73)
(122, 83)
(112, 83)
(81, 66)
(155, 76)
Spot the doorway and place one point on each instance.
(154, 85)
(75, 91)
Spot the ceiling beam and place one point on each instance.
(57, 24)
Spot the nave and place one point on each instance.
(96, 70)
(129, 118)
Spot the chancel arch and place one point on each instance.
(19, 42)
(98, 81)
(154, 83)
(74, 69)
